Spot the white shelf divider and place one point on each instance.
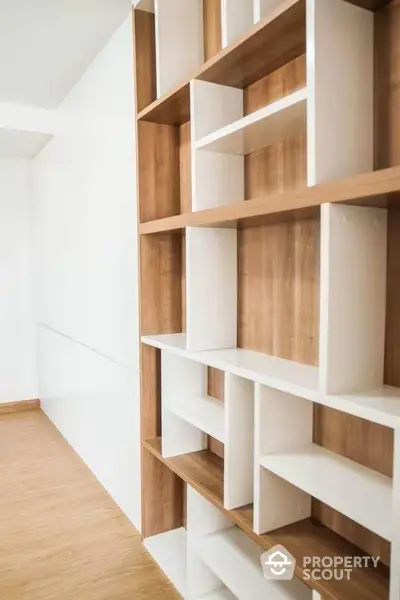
(239, 444)
(340, 90)
(202, 518)
(395, 546)
(235, 559)
(359, 493)
(353, 298)
(282, 422)
(236, 19)
(181, 379)
(179, 41)
(262, 8)
(211, 288)
(146, 5)
(169, 551)
(205, 413)
(260, 129)
(380, 404)
(217, 179)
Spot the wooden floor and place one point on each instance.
(61, 535)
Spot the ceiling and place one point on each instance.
(46, 45)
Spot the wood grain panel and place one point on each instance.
(185, 168)
(387, 86)
(160, 293)
(159, 165)
(215, 383)
(215, 388)
(276, 85)
(21, 405)
(212, 28)
(145, 58)
(279, 290)
(162, 498)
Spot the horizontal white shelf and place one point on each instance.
(206, 413)
(235, 559)
(169, 551)
(352, 489)
(379, 406)
(260, 129)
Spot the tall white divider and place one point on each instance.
(217, 179)
(353, 298)
(180, 379)
(340, 62)
(282, 423)
(262, 8)
(211, 288)
(202, 519)
(239, 442)
(236, 19)
(395, 547)
(179, 41)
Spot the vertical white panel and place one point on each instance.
(18, 376)
(202, 519)
(180, 378)
(353, 297)
(395, 547)
(239, 444)
(213, 106)
(283, 422)
(236, 19)
(262, 8)
(217, 179)
(211, 288)
(340, 66)
(179, 41)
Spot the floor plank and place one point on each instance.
(62, 536)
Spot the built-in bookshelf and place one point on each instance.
(268, 138)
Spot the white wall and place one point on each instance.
(85, 236)
(17, 329)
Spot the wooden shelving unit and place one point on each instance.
(269, 220)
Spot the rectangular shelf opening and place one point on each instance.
(164, 170)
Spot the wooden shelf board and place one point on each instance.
(205, 413)
(204, 472)
(273, 42)
(171, 109)
(260, 129)
(377, 188)
(361, 494)
(380, 406)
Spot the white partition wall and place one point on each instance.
(236, 19)
(340, 89)
(179, 41)
(262, 8)
(211, 288)
(217, 178)
(353, 298)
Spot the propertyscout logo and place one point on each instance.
(278, 563)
